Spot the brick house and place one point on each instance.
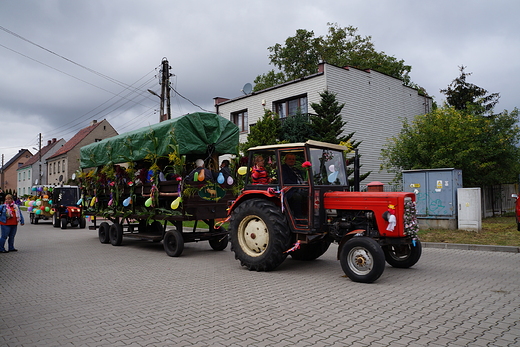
(374, 103)
(35, 168)
(62, 164)
(8, 174)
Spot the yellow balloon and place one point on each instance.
(242, 170)
(93, 201)
(175, 203)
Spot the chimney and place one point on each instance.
(93, 122)
(53, 140)
(48, 142)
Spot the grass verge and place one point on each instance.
(500, 231)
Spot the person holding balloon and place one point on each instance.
(200, 173)
(10, 216)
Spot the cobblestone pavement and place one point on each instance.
(65, 288)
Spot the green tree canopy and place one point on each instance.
(300, 55)
(463, 95)
(296, 128)
(484, 148)
(265, 132)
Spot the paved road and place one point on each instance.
(64, 288)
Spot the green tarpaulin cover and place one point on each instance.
(197, 133)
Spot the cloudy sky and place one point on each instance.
(64, 63)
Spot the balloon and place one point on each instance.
(53, 211)
(127, 201)
(196, 176)
(47, 208)
(79, 201)
(110, 202)
(230, 180)
(50, 202)
(332, 177)
(220, 178)
(45, 197)
(331, 168)
(33, 189)
(26, 203)
(42, 208)
(242, 170)
(38, 202)
(175, 203)
(148, 202)
(38, 211)
(201, 175)
(93, 201)
(29, 209)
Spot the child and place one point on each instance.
(10, 216)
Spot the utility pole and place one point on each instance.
(40, 159)
(165, 91)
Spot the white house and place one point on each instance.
(35, 168)
(374, 105)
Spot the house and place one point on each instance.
(374, 105)
(34, 171)
(8, 174)
(62, 164)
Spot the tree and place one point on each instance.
(296, 128)
(463, 95)
(300, 55)
(484, 148)
(265, 132)
(328, 125)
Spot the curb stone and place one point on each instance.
(468, 247)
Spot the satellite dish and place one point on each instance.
(36, 182)
(247, 89)
(73, 176)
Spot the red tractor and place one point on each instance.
(296, 201)
(67, 211)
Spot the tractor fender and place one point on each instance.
(347, 237)
(254, 194)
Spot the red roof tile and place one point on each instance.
(73, 142)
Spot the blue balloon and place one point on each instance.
(220, 178)
(332, 177)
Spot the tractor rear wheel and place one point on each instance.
(259, 235)
(403, 256)
(362, 259)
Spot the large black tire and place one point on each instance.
(82, 222)
(103, 232)
(55, 221)
(31, 218)
(220, 242)
(173, 243)
(63, 223)
(362, 259)
(36, 218)
(403, 256)
(259, 235)
(116, 234)
(311, 251)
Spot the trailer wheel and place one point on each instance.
(173, 243)
(362, 259)
(103, 232)
(116, 234)
(220, 242)
(259, 235)
(55, 221)
(36, 220)
(403, 256)
(31, 216)
(63, 223)
(311, 251)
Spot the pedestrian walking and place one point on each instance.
(10, 216)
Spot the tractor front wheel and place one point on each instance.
(403, 256)
(259, 235)
(362, 259)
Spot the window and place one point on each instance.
(58, 167)
(240, 120)
(19, 177)
(54, 168)
(289, 107)
(63, 166)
